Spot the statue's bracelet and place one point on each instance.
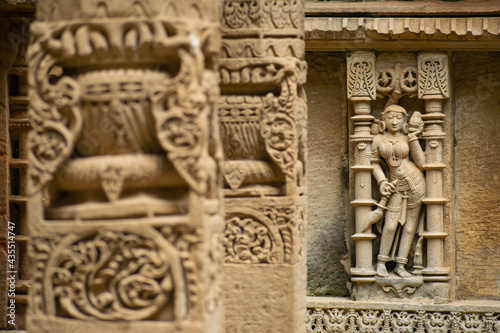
(380, 182)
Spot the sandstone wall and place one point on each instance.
(477, 174)
(328, 174)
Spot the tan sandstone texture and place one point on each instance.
(328, 176)
(477, 174)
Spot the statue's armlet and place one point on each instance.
(375, 154)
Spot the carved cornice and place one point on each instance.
(382, 32)
(403, 8)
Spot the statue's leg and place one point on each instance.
(390, 226)
(407, 235)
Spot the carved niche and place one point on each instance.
(124, 156)
(263, 116)
(407, 222)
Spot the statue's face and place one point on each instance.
(394, 121)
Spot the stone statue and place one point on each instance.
(403, 192)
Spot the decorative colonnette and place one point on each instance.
(262, 112)
(125, 211)
(349, 316)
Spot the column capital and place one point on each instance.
(361, 83)
(433, 76)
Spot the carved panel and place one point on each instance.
(408, 178)
(112, 276)
(268, 235)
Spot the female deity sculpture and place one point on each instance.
(404, 190)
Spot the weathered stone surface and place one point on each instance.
(327, 181)
(477, 174)
(263, 304)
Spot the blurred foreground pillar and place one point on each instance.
(125, 210)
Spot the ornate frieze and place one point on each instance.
(418, 318)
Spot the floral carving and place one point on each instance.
(55, 118)
(437, 322)
(182, 123)
(248, 241)
(279, 128)
(187, 240)
(112, 276)
(284, 218)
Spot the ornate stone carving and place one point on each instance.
(113, 276)
(403, 192)
(402, 185)
(269, 235)
(433, 76)
(280, 15)
(330, 320)
(124, 166)
(361, 76)
(249, 241)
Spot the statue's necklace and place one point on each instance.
(394, 160)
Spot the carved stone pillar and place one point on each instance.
(263, 122)
(361, 91)
(433, 88)
(125, 213)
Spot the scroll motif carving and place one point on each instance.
(268, 236)
(284, 218)
(187, 240)
(249, 241)
(110, 276)
(40, 251)
(55, 118)
(181, 120)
